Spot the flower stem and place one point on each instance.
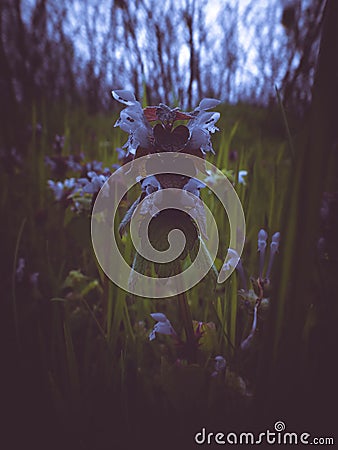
(188, 326)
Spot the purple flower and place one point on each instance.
(33, 278)
(163, 326)
(273, 250)
(62, 190)
(20, 269)
(262, 238)
(220, 366)
(96, 183)
(241, 175)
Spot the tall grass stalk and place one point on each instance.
(14, 299)
(188, 326)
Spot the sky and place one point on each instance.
(250, 66)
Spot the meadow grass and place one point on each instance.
(91, 338)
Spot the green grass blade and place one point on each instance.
(14, 300)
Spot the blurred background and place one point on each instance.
(76, 51)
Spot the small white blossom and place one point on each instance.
(232, 260)
(275, 242)
(20, 269)
(273, 250)
(34, 278)
(220, 365)
(96, 183)
(262, 237)
(163, 326)
(213, 178)
(241, 175)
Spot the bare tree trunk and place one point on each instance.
(309, 39)
(189, 19)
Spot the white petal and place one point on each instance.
(152, 335)
(122, 96)
(159, 317)
(164, 328)
(262, 235)
(193, 186)
(208, 103)
(241, 175)
(275, 242)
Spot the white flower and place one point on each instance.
(57, 188)
(20, 269)
(241, 175)
(96, 183)
(232, 260)
(220, 365)
(273, 250)
(162, 326)
(34, 278)
(262, 237)
(213, 178)
(275, 242)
